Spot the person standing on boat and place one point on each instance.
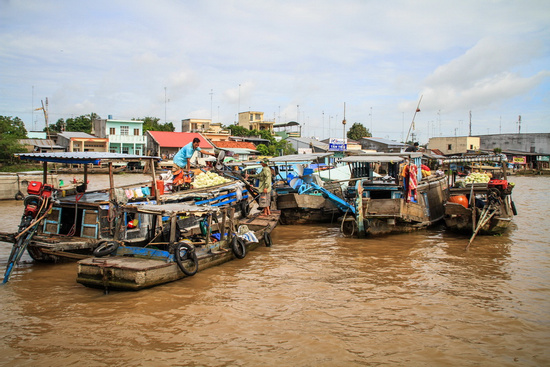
(264, 186)
(183, 157)
(414, 148)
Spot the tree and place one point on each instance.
(11, 130)
(237, 130)
(58, 127)
(263, 149)
(81, 123)
(358, 131)
(152, 124)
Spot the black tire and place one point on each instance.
(19, 196)
(105, 248)
(514, 210)
(185, 252)
(245, 208)
(267, 239)
(238, 247)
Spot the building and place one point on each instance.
(382, 145)
(288, 129)
(166, 144)
(195, 125)
(240, 150)
(41, 145)
(529, 143)
(72, 141)
(124, 136)
(254, 120)
(455, 144)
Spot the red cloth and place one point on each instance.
(413, 183)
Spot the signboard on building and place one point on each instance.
(519, 160)
(543, 158)
(337, 145)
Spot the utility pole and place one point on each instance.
(519, 124)
(470, 129)
(211, 115)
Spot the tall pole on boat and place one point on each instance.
(412, 123)
(344, 126)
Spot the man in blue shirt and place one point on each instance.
(181, 159)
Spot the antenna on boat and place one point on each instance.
(412, 123)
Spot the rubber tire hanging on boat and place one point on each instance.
(245, 208)
(105, 248)
(267, 239)
(189, 255)
(238, 247)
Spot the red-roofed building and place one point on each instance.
(241, 150)
(168, 143)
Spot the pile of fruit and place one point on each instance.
(477, 177)
(206, 179)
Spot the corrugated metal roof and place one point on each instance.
(76, 134)
(172, 139)
(81, 157)
(478, 158)
(299, 157)
(385, 141)
(381, 157)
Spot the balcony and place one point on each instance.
(127, 139)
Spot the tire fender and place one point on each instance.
(238, 247)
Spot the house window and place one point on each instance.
(449, 147)
(112, 131)
(125, 150)
(471, 146)
(137, 152)
(136, 131)
(124, 130)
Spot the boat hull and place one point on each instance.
(133, 273)
(381, 216)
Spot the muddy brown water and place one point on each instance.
(313, 299)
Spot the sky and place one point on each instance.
(468, 65)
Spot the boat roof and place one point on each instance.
(381, 157)
(82, 157)
(477, 158)
(299, 157)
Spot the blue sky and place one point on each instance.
(292, 60)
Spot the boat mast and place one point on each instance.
(412, 123)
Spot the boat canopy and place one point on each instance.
(83, 157)
(477, 158)
(299, 157)
(381, 158)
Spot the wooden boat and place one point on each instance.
(480, 208)
(297, 204)
(190, 247)
(55, 227)
(391, 204)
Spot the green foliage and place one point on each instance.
(58, 127)
(152, 124)
(11, 130)
(263, 149)
(497, 150)
(81, 123)
(237, 130)
(358, 131)
(283, 147)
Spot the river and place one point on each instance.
(312, 299)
